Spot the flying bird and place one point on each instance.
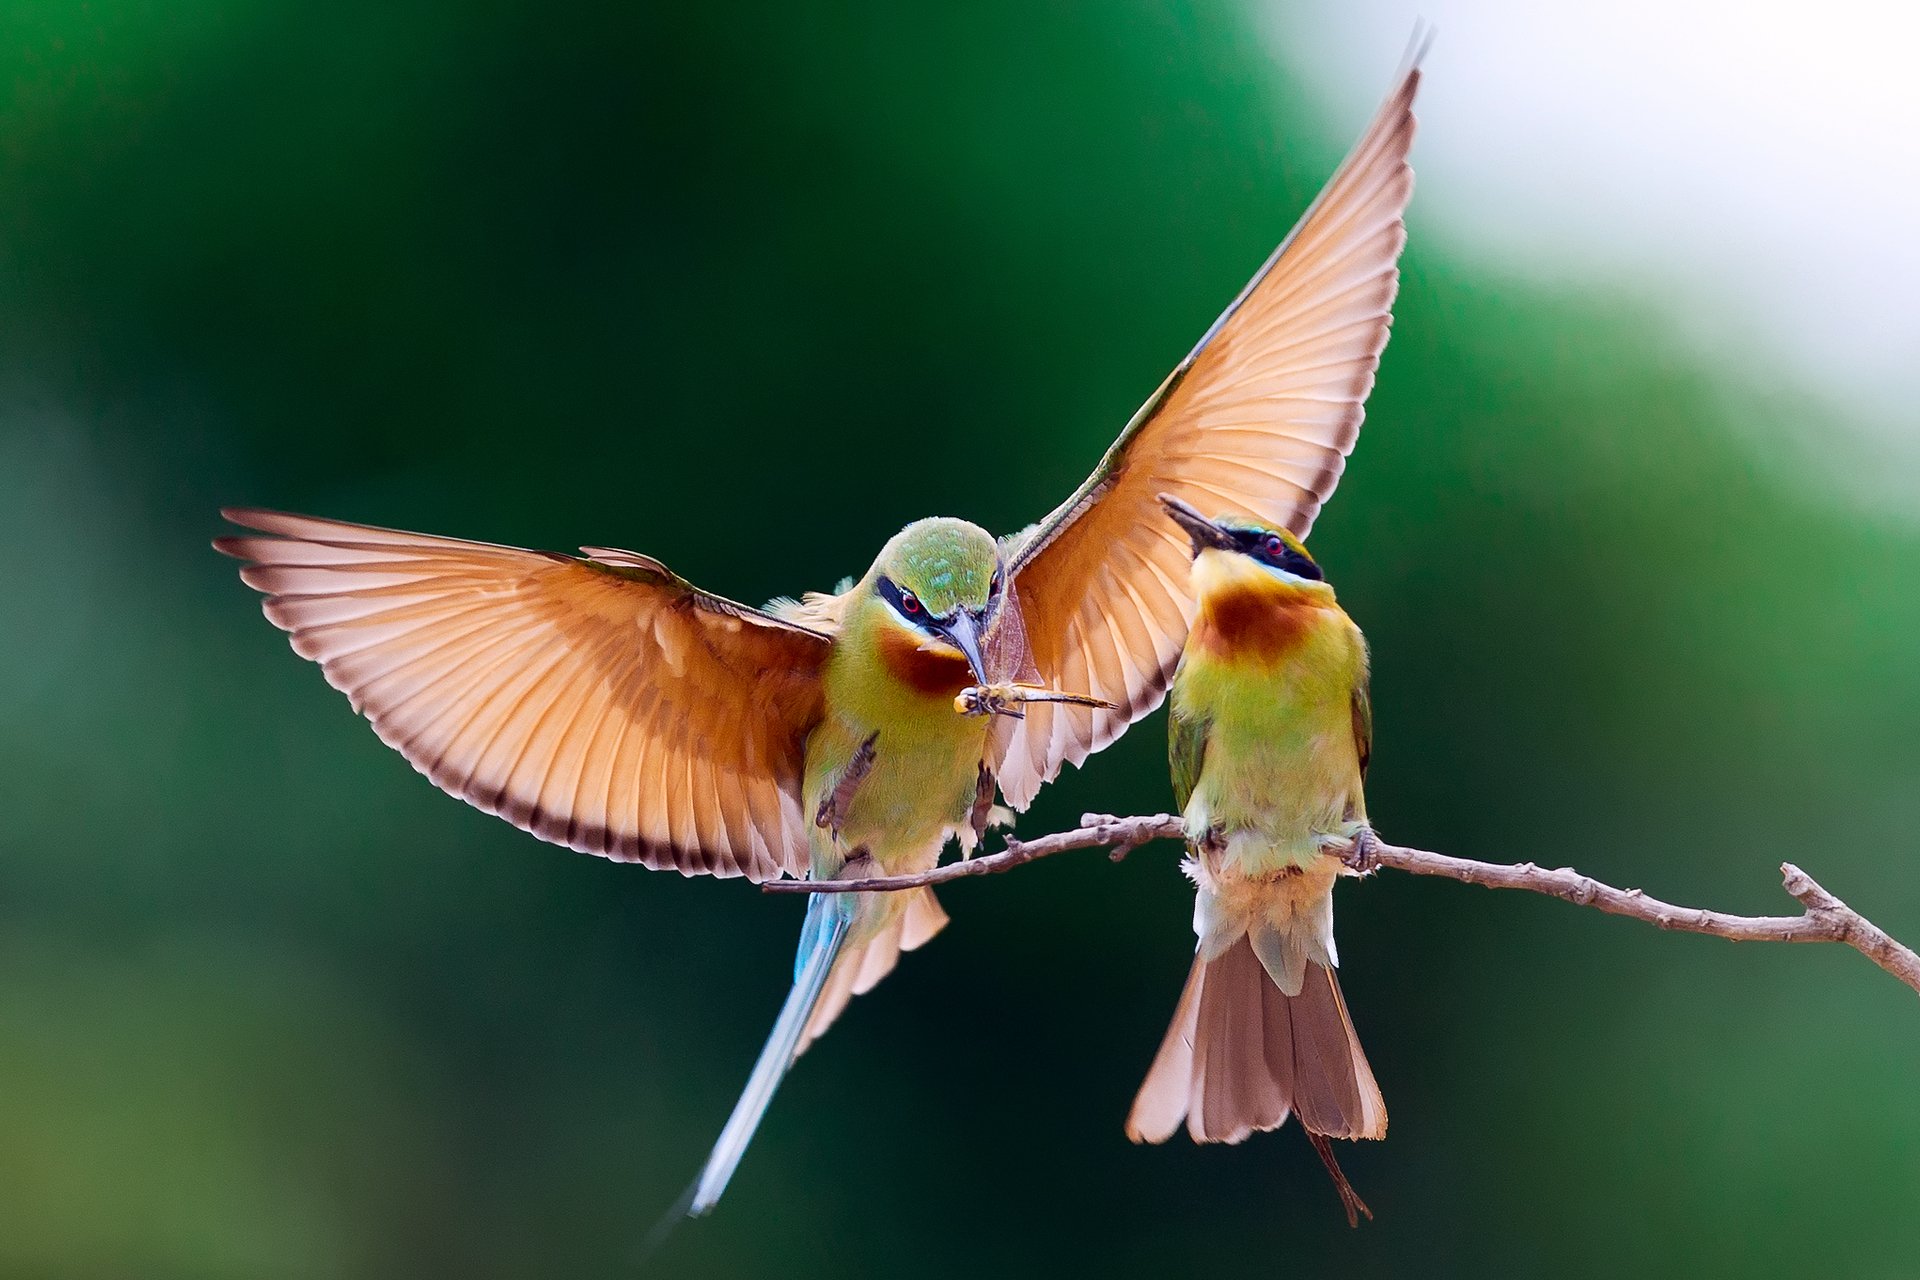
(1269, 736)
(603, 703)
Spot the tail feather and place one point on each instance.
(1167, 1093)
(1342, 1100)
(821, 939)
(1246, 1089)
(924, 917)
(827, 973)
(1349, 1198)
(1241, 1055)
(865, 963)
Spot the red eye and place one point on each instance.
(910, 604)
(1275, 547)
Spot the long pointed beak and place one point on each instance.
(964, 631)
(1204, 532)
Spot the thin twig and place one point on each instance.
(1100, 831)
(1823, 918)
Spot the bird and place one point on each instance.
(603, 703)
(1270, 729)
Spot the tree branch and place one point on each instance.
(1823, 917)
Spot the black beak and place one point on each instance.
(964, 631)
(1204, 532)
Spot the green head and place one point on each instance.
(942, 579)
(1276, 549)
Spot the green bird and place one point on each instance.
(1269, 735)
(604, 703)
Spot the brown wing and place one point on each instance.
(1257, 421)
(1363, 725)
(602, 704)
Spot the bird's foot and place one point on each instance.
(984, 815)
(1361, 845)
(834, 806)
(860, 865)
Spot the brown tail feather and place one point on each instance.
(1240, 1056)
(862, 965)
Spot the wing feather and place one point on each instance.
(1256, 421)
(603, 704)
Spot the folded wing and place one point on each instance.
(603, 704)
(1258, 420)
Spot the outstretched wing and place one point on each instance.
(1257, 421)
(603, 704)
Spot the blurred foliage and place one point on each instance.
(749, 288)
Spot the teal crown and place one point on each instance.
(948, 563)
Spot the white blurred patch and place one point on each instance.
(1752, 170)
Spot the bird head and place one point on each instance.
(1274, 550)
(941, 582)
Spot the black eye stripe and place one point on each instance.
(891, 592)
(1254, 544)
(893, 595)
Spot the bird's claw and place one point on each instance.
(984, 815)
(832, 813)
(1361, 850)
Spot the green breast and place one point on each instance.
(925, 767)
(1277, 758)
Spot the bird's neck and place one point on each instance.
(1246, 614)
(882, 672)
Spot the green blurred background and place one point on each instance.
(748, 288)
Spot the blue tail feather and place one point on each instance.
(825, 930)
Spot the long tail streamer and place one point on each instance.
(820, 940)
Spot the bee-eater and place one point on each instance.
(1268, 737)
(605, 704)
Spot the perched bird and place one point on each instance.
(605, 704)
(1269, 734)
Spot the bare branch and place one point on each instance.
(1099, 831)
(1823, 918)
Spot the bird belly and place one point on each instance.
(1275, 821)
(1278, 802)
(919, 789)
(909, 803)
(1281, 776)
(1279, 794)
